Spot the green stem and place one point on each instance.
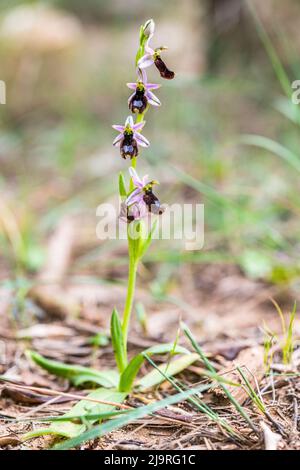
(129, 299)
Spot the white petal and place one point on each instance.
(129, 121)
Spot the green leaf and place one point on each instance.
(69, 429)
(145, 243)
(129, 417)
(122, 186)
(107, 379)
(76, 374)
(131, 371)
(288, 109)
(129, 374)
(135, 235)
(118, 340)
(277, 65)
(173, 367)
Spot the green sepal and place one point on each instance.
(122, 186)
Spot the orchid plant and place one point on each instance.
(137, 203)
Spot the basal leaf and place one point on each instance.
(131, 371)
(107, 379)
(70, 429)
(117, 340)
(129, 374)
(76, 374)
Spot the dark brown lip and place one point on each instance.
(163, 69)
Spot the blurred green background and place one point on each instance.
(66, 64)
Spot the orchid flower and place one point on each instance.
(142, 95)
(136, 211)
(152, 56)
(142, 194)
(130, 137)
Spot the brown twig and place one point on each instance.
(47, 391)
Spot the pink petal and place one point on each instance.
(131, 85)
(138, 210)
(118, 139)
(152, 86)
(138, 126)
(141, 140)
(135, 178)
(143, 209)
(118, 128)
(135, 197)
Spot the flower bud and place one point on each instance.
(149, 28)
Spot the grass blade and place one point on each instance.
(274, 147)
(210, 367)
(69, 429)
(251, 392)
(273, 56)
(201, 406)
